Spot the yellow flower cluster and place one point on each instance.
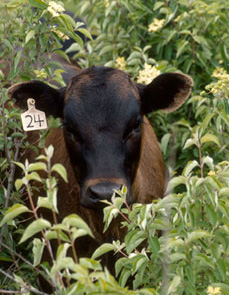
(120, 63)
(156, 25)
(146, 75)
(107, 3)
(219, 89)
(55, 8)
(214, 291)
(41, 73)
(211, 173)
(219, 73)
(59, 33)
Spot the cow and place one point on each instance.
(106, 140)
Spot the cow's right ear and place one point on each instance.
(48, 99)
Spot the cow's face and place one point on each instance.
(102, 112)
(102, 119)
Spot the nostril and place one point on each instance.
(94, 197)
(102, 191)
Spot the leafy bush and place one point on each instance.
(185, 35)
(177, 245)
(83, 275)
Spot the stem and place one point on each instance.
(27, 262)
(124, 216)
(124, 254)
(73, 249)
(202, 193)
(11, 292)
(34, 210)
(26, 287)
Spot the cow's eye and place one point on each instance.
(137, 124)
(71, 132)
(133, 129)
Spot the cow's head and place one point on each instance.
(102, 111)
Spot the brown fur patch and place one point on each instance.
(75, 84)
(124, 84)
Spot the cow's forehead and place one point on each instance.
(99, 80)
(100, 98)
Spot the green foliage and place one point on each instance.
(186, 35)
(84, 275)
(176, 245)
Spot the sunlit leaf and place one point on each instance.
(13, 212)
(35, 227)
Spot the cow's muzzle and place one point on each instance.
(96, 192)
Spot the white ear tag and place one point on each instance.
(33, 119)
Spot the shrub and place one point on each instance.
(177, 245)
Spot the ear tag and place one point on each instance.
(33, 119)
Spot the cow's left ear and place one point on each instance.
(166, 92)
(48, 99)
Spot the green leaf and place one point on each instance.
(76, 221)
(211, 215)
(154, 244)
(76, 233)
(64, 55)
(125, 274)
(38, 247)
(49, 152)
(174, 182)
(174, 257)
(85, 32)
(20, 165)
(121, 263)
(62, 251)
(158, 4)
(107, 48)
(61, 171)
(209, 162)
(17, 60)
(197, 235)
(13, 212)
(68, 21)
(224, 192)
(33, 176)
(44, 202)
(181, 47)
(37, 166)
(190, 142)
(35, 227)
(49, 202)
(206, 121)
(174, 284)
(164, 142)
(133, 239)
(110, 213)
(63, 263)
(210, 138)
(29, 36)
(7, 43)
(221, 265)
(189, 167)
(90, 263)
(19, 183)
(38, 3)
(104, 248)
(55, 234)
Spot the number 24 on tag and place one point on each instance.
(33, 119)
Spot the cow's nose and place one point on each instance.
(102, 191)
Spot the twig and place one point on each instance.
(26, 287)
(27, 262)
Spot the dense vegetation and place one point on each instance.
(187, 249)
